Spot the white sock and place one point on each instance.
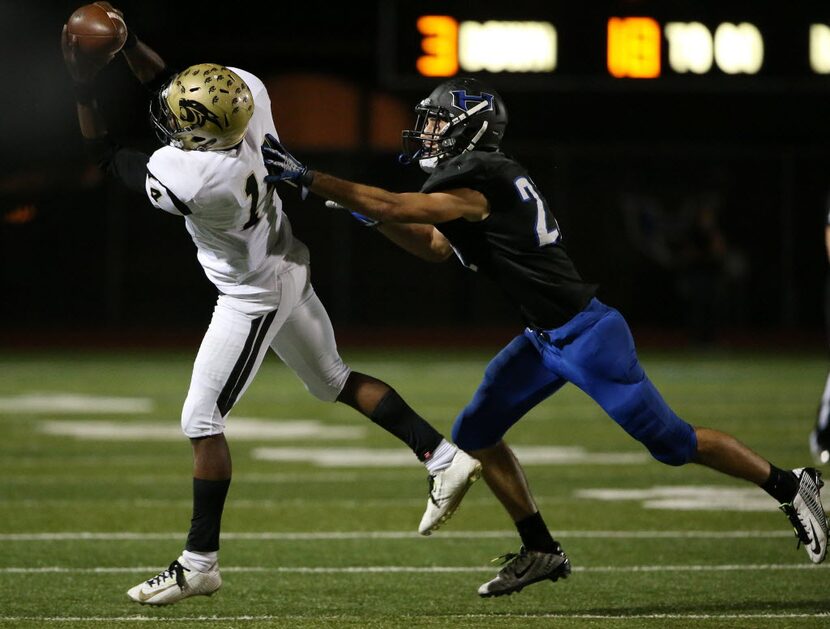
(441, 457)
(200, 562)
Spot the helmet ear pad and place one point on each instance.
(204, 107)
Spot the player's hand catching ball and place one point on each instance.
(91, 38)
(282, 165)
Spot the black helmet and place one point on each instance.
(475, 118)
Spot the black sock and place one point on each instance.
(208, 504)
(535, 534)
(781, 484)
(394, 416)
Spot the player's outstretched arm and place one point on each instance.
(423, 241)
(145, 63)
(405, 207)
(127, 165)
(375, 203)
(83, 70)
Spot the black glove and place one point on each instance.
(282, 165)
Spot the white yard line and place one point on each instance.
(343, 476)
(501, 615)
(369, 535)
(421, 569)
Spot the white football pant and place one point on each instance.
(299, 331)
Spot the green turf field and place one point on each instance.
(95, 489)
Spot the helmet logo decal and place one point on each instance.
(194, 112)
(464, 101)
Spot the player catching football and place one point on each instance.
(483, 206)
(212, 121)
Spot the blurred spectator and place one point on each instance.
(683, 236)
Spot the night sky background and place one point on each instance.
(698, 203)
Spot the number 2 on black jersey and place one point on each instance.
(544, 235)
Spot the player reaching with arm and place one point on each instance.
(212, 121)
(483, 206)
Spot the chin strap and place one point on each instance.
(476, 137)
(406, 160)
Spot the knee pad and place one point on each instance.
(329, 388)
(201, 418)
(675, 446)
(472, 431)
(642, 412)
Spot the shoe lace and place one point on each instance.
(505, 559)
(508, 558)
(798, 526)
(174, 571)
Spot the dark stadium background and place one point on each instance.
(83, 259)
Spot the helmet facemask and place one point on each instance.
(440, 134)
(164, 122)
(428, 141)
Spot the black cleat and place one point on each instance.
(524, 568)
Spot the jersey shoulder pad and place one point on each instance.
(262, 121)
(253, 82)
(257, 87)
(470, 170)
(173, 179)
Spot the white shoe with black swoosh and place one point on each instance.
(179, 581)
(807, 515)
(446, 490)
(526, 567)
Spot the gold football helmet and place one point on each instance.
(205, 107)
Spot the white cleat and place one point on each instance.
(819, 446)
(177, 582)
(446, 490)
(807, 515)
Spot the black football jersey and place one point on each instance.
(519, 245)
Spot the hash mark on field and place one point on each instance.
(686, 497)
(397, 457)
(239, 428)
(73, 403)
(359, 535)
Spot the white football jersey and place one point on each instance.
(242, 237)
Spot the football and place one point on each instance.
(98, 30)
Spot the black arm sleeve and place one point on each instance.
(128, 165)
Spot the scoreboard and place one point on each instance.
(590, 45)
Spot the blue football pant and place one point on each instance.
(594, 351)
